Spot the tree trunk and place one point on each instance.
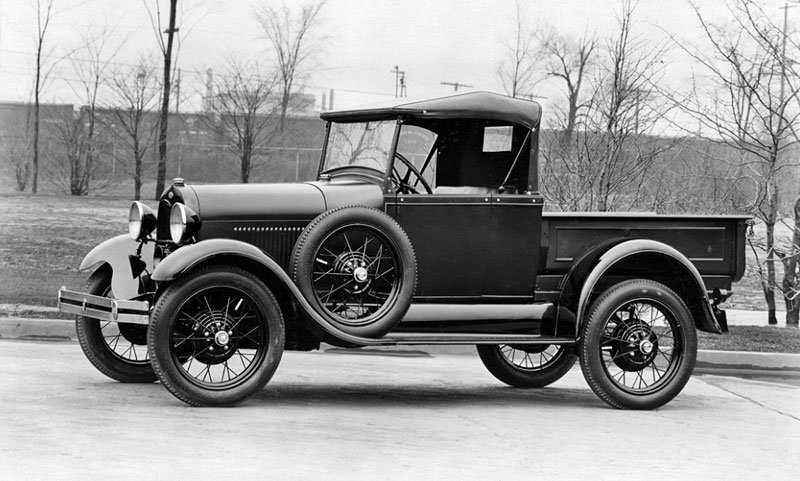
(284, 106)
(572, 115)
(161, 171)
(769, 283)
(35, 185)
(245, 167)
(137, 173)
(791, 280)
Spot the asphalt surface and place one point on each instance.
(335, 415)
(728, 361)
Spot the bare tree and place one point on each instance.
(77, 171)
(570, 62)
(42, 22)
(166, 52)
(16, 150)
(790, 286)
(748, 100)
(130, 118)
(68, 169)
(517, 69)
(241, 111)
(290, 37)
(609, 164)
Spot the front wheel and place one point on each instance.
(118, 350)
(216, 336)
(638, 347)
(526, 366)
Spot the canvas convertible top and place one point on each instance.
(478, 105)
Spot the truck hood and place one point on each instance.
(297, 201)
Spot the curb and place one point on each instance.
(37, 329)
(22, 328)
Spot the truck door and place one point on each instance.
(449, 234)
(513, 238)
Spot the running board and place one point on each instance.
(478, 312)
(411, 338)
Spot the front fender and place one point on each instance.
(115, 252)
(193, 255)
(700, 305)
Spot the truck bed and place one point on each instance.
(714, 244)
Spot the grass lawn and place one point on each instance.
(44, 238)
(753, 339)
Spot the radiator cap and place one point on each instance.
(178, 182)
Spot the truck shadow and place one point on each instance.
(392, 396)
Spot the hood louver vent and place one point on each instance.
(278, 242)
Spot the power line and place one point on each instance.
(456, 85)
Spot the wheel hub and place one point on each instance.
(356, 265)
(360, 274)
(635, 345)
(222, 338)
(213, 341)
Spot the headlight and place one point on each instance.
(141, 221)
(183, 223)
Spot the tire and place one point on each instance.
(638, 346)
(357, 268)
(216, 336)
(118, 350)
(526, 366)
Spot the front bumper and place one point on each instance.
(103, 308)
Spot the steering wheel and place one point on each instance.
(403, 185)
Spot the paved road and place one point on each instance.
(347, 416)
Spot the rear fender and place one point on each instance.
(661, 263)
(115, 252)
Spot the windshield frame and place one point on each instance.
(345, 169)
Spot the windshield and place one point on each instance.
(364, 144)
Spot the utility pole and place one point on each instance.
(782, 92)
(399, 79)
(178, 114)
(161, 169)
(456, 85)
(785, 9)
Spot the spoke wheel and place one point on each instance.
(356, 274)
(118, 350)
(357, 268)
(527, 366)
(217, 336)
(639, 345)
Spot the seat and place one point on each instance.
(463, 190)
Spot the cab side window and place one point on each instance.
(415, 144)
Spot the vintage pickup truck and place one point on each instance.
(425, 226)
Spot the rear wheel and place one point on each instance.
(526, 366)
(639, 345)
(118, 350)
(217, 336)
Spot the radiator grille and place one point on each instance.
(278, 242)
(162, 225)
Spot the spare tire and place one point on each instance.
(357, 268)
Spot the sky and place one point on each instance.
(433, 41)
